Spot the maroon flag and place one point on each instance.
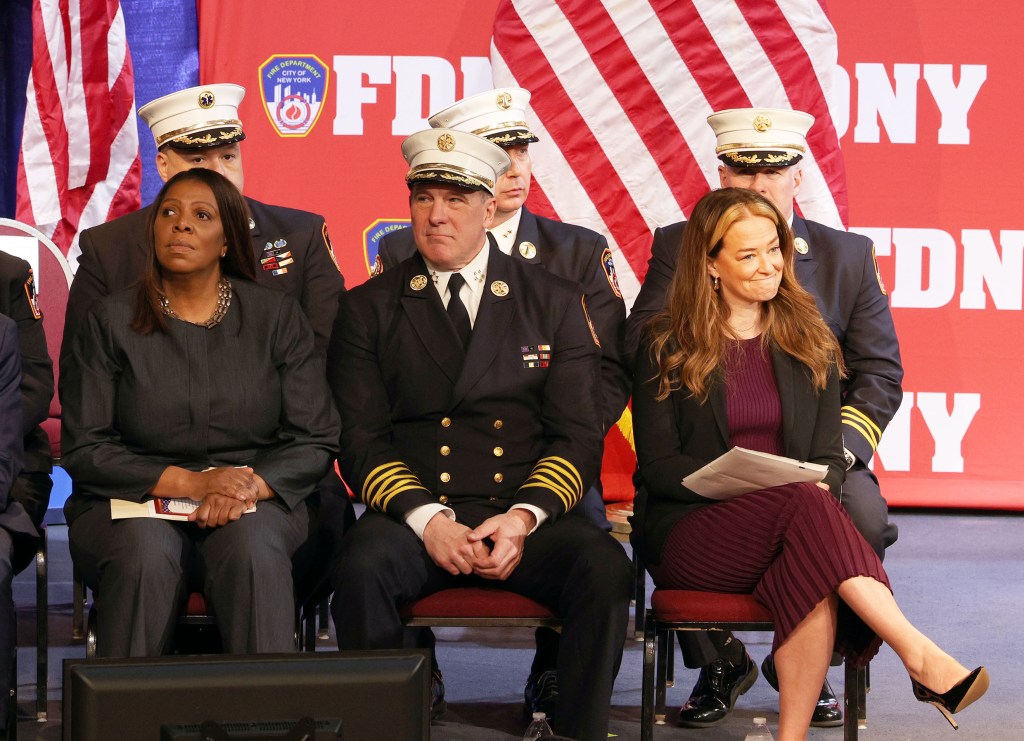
(621, 93)
(79, 163)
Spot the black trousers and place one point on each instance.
(570, 565)
(863, 501)
(143, 569)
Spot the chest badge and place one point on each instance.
(528, 250)
(499, 288)
(418, 282)
(800, 245)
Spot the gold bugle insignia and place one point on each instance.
(499, 288)
(418, 282)
(528, 250)
(504, 101)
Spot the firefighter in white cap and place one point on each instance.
(200, 127)
(469, 390)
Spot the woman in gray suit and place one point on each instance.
(196, 385)
(741, 357)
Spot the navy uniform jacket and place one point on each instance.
(578, 255)
(514, 418)
(839, 271)
(13, 517)
(114, 257)
(679, 435)
(36, 366)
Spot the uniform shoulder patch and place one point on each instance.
(30, 294)
(878, 275)
(608, 263)
(378, 267)
(330, 248)
(590, 324)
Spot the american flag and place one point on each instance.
(79, 163)
(621, 92)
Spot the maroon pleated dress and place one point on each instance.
(790, 546)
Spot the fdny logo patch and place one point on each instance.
(293, 89)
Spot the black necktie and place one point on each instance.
(457, 310)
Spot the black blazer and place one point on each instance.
(839, 270)
(578, 255)
(114, 256)
(36, 367)
(677, 436)
(515, 417)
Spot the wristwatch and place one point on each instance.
(850, 459)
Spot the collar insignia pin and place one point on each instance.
(499, 288)
(528, 250)
(418, 282)
(800, 245)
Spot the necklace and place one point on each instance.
(223, 302)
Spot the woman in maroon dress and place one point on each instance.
(741, 357)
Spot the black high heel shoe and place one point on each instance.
(962, 694)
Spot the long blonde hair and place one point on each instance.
(689, 337)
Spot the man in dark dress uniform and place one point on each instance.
(760, 150)
(572, 252)
(468, 386)
(25, 459)
(199, 127)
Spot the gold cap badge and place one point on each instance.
(504, 101)
(762, 123)
(446, 142)
(528, 250)
(499, 288)
(418, 282)
(206, 99)
(800, 245)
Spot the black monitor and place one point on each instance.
(373, 694)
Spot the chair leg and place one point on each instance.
(639, 596)
(323, 612)
(853, 703)
(42, 628)
(647, 696)
(665, 643)
(864, 677)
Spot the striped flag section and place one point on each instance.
(79, 163)
(621, 92)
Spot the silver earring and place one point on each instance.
(714, 283)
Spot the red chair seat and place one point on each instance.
(477, 603)
(691, 606)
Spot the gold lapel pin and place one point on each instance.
(800, 245)
(418, 282)
(528, 250)
(499, 288)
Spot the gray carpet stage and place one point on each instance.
(959, 577)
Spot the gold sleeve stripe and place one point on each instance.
(853, 411)
(865, 432)
(558, 476)
(386, 481)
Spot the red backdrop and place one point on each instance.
(932, 100)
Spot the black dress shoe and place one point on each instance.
(827, 713)
(437, 703)
(717, 688)
(541, 694)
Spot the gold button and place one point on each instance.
(443, 499)
(498, 424)
(445, 450)
(446, 422)
(446, 477)
(493, 499)
(498, 478)
(499, 452)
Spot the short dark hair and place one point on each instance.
(238, 261)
